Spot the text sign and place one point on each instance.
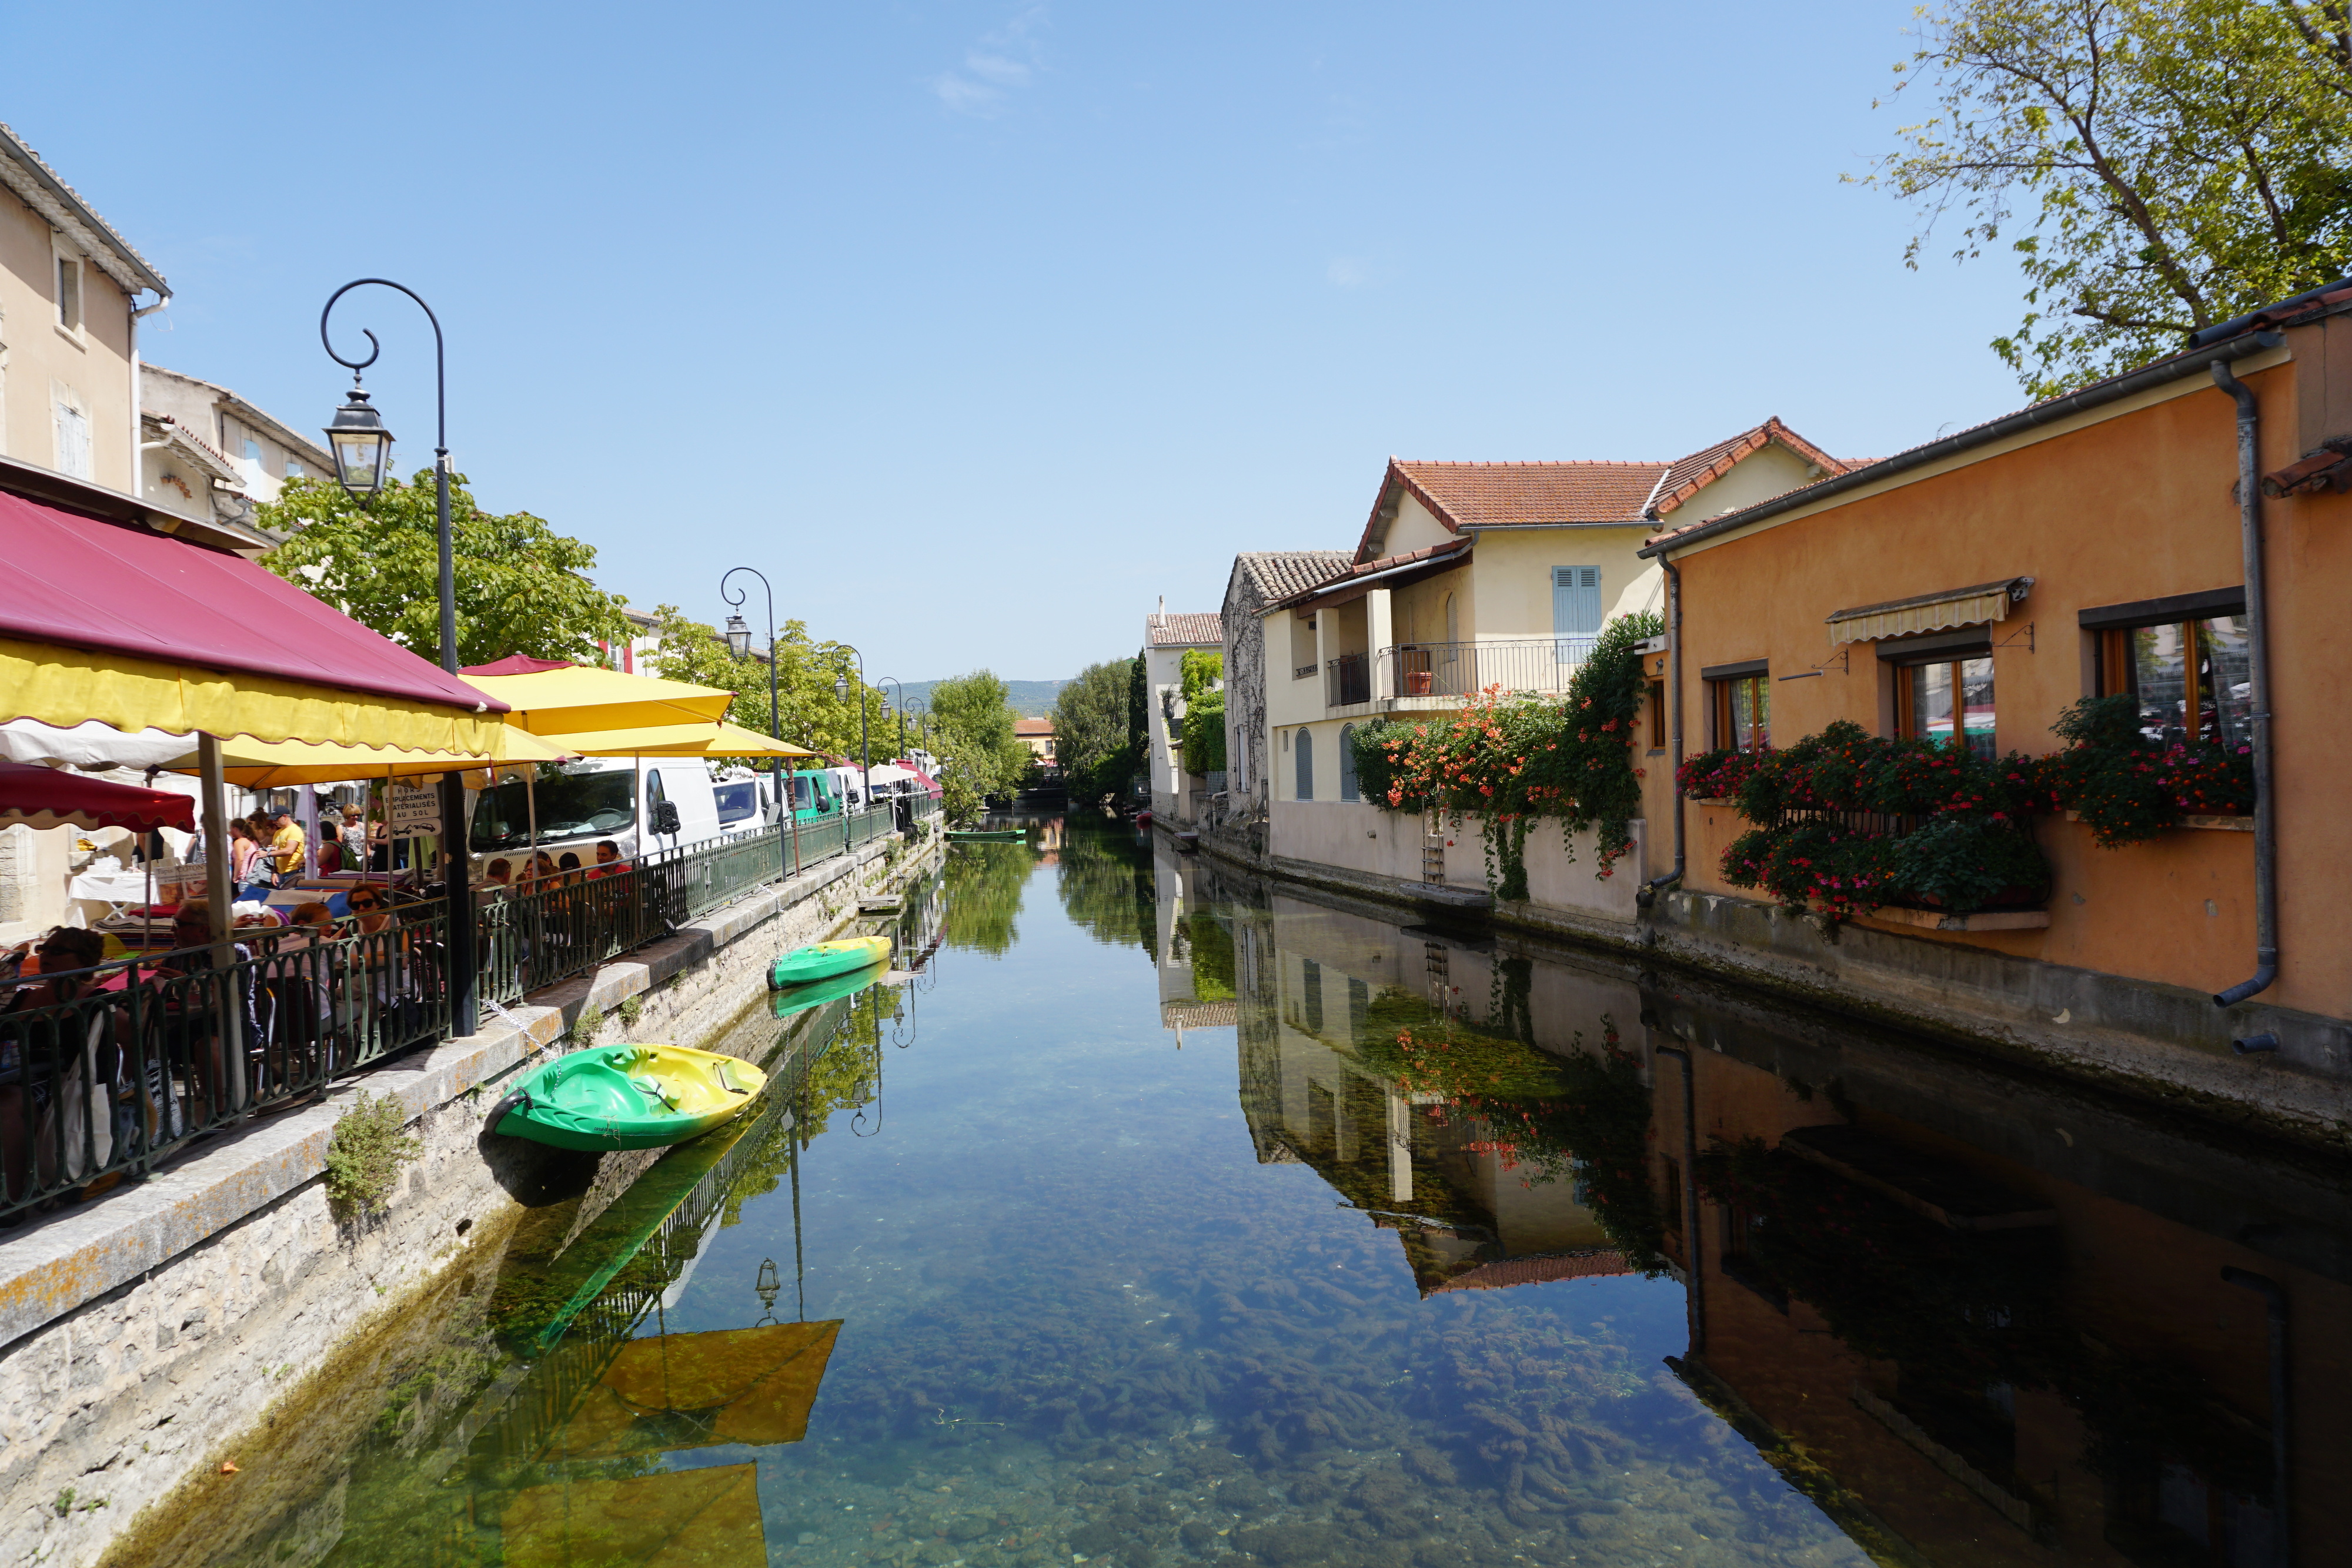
(415, 808)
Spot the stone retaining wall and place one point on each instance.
(150, 1330)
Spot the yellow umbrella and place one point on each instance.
(680, 740)
(577, 698)
(271, 765)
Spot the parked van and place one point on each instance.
(670, 802)
(816, 795)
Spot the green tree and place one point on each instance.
(520, 584)
(1090, 731)
(2183, 160)
(807, 674)
(972, 730)
(1202, 675)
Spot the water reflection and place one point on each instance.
(1467, 1254)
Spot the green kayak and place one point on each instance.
(816, 993)
(989, 835)
(626, 1097)
(822, 960)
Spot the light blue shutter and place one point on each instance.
(1575, 610)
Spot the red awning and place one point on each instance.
(72, 580)
(515, 665)
(53, 798)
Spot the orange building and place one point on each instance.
(1979, 585)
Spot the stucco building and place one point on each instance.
(1259, 577)
(203, 445)
(1176, 796)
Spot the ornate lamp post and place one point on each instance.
(739, 642)
(900, 704)
(865, 750)
(362, 447)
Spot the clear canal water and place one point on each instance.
(1162, 1217)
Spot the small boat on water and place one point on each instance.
(990, 835)
(816, 993)
(822, 960)
(626, 1097)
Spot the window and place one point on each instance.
(1575, 611)
(576, 805)
(2191, 676)
(1658, 716)
(1348, 791)
(69, 294)
(1947, 698)
(1304, 660)
(1741, 698)
(73, 440)
(294, 470)
(737, 802)
(1310, 992)
(1305, 752)
(252, 450)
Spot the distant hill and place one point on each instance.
(1030, 699)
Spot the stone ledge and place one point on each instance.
(1935, 920)
(2206, 824)
(82, 1254)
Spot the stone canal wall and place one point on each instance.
(145, 1336)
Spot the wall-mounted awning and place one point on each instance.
(1975, 606)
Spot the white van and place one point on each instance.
(670, 802)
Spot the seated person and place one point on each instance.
(608, 859)
(57, 1102)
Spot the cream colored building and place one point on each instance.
(204, 446)
(1471, 577)
(70, 290)
(1166, 640)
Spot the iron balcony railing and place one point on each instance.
(1464, 669)
(1347, 679)
(106, 1073)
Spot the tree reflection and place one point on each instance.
(985, 883)
(1107, 886)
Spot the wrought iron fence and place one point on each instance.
(105, 1071)
(1464, 669)
(1347, 679)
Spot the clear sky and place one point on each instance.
(979, 326)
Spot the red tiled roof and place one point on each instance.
(1464, 496)
(1185, 630)
(1277, 574)
(1386, 563)
(1536, 1270)
(1038, 726)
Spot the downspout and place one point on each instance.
(2274, 1301)
(1675, 679)
(138, 461)
(2258, 695)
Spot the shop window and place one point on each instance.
(1740, 699)
(1947, 698)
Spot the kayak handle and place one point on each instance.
(517, 1100)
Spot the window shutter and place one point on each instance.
(1306, 753)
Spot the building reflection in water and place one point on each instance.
(1977, 1319)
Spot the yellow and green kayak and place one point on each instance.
(822, 960)
(626, 1097)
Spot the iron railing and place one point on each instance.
(107, 1071)
(1464, 669)
(1347, 679)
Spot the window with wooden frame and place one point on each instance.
(1658, 716)
(1739, 699)
(2185, 658)
(1947, 696)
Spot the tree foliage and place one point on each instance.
(807, 673)
(972, 730)
(1203, 674)
(1090, 732)
(2182, 163)
(521, 586)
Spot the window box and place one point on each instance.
(2206, 824)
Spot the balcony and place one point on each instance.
(1348, 680)
(1458, 670)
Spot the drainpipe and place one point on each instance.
(2258, 696)
(138, 459)
(1674, 679)
(2274, 1301)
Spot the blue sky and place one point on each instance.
(980, 327)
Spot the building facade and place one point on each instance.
(1176, 796)
(1259, 577)
(205, 446)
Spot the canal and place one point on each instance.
(1159, 1215)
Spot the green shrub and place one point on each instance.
(366, 1151)
(2128, 789)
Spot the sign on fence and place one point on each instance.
(414, 808)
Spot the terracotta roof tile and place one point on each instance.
(1185, 630)
(1703, 467)
(1278, 574)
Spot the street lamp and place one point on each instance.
(865, 750)
(739, 642)
(893, 683)
(362, 447)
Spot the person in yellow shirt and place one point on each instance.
(287, 847)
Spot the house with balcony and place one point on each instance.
(1470, 577)
(1176, 796)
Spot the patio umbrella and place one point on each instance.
(272, 765)
(568, 699)
(680, 740)
(48, 798)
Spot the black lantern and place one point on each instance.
(841, 687)
(739, 637)
(361, 446)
